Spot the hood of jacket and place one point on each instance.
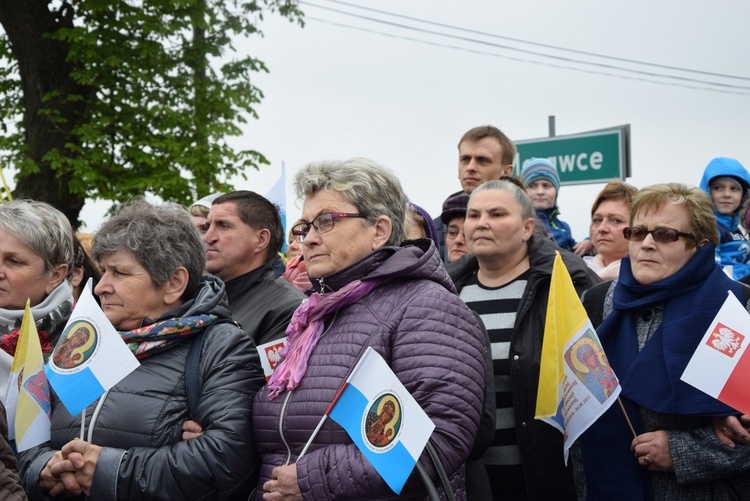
(210, 300)
(414, 259)
(726, 167)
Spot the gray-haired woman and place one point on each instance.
(36, 256)
(128, 445)
(370, 292)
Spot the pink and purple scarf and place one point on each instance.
(305, 329)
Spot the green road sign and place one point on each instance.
(590, 157)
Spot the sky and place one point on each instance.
(347, 85)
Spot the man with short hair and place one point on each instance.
(484, 154)
(243, 237)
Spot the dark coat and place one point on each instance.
(10, 483)
(540, 444)
(433, 344)
(140, 422)
(262, 303)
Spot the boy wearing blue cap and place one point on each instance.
(539, 177)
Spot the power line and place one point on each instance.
(716, 86)
(518, 59)
(529, 42)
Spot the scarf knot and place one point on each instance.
(305, 329)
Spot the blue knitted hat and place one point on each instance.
(540, 168)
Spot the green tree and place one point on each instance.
(109, 99)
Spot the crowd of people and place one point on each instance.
(456, 305)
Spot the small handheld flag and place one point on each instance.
(720, 366)
(27, 401)
(270, 355)
(90, 356)
(382, 419)
(576, 383)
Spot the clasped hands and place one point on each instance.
(70, 471)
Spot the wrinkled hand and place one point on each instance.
(731, 429)
(284, 486)
(583, 247)
(60, 483)
(652, 451)
(81, 458)
(191, 429)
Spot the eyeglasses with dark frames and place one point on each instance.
(661, 235)
(322, 224)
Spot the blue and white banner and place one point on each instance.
(383, 419)
(90, 356)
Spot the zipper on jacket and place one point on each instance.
(281, 427)
(286, 402)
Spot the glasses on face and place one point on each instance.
(322, 224)
(453, 233)
(661, 235)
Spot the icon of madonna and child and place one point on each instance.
(77, 343)
(383, 421)
(590, 365)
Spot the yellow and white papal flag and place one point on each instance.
(27, 400)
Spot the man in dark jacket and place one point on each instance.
(244, 235)
(484, 154)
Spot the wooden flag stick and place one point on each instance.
(622, 407)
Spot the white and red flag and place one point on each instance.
(720, 366)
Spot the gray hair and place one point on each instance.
(43, 229)
(520, 196)
(372, 188)
(160, 237)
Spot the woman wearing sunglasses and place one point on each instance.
(369, 292)
(668, 292)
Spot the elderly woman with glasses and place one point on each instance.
(650, 321)
(369, 292)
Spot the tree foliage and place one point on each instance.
(144, 96)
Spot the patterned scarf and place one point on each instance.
(305, 329)
(161, 336)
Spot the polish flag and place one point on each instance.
(720, 365)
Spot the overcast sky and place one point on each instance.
(347, 86)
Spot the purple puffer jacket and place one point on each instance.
(432, 342)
